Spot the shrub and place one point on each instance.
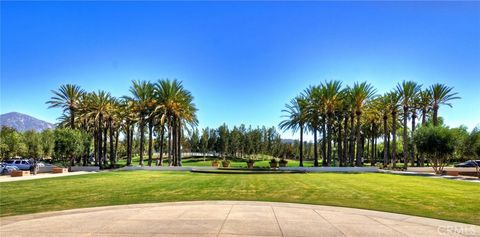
(438, 144)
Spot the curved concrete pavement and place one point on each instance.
(228, 218)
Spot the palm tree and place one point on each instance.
(393, 100)
(384, 107)
(67, 97)
(332, 92)
(423, 105)
(142, 95)
(407, 91)
(98, 105)
(314, 110)
(176, 106)
(296, 118)
(361, 93)
(440, 95)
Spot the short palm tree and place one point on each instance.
(296, 118)
(67, 97)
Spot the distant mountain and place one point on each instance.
(22, 122)
(289, 141)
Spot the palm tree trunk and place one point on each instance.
(170, 145)
(179, 143)
(72, 118)
(105, 131)
(372, 158)
(315, 152)
(162, 131)
(412, 156)
(142, 133)
(117, 135)
(345, 142)
(112, 152)
(150, 142)
(99, 140)
(129, 145)
(385, 141)
(95, 145)
(324, 142)
(352, 140)
(339, 143)
(394, 139)
(424, 120)
(435, 115)
(301, 146)
(329, 141)
(358, 160)
(405, 137)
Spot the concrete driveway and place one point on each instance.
(228, 218)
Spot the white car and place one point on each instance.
(6, 169)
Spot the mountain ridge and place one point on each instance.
(23, 122)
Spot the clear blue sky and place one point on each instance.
(242, 61)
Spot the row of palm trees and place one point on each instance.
(348, 117)
(164, 107)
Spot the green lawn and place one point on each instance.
(263, 161)
(421, 196)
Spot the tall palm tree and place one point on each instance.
(361, 93)
(423, 105)
(175, 103)
(296, 118)
(67, 97)
(394, 100)
(332, 91)
(98, 104)
(407, 91)
(142, 95)
(441, 95)
(315, 108)
(384, 107)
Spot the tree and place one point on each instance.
(67, 97)
(407, 91)
(440, 95)
(361, 93)
(47, 141)
(68, 145)
(332, 92)
(296, 118)
(393, 103)
(11, 142)
(313, 95)
(33, 144)
(142, 96)
(438, 143)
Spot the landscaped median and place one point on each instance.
(420, 196)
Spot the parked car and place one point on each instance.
(469, 163)
(6, 169)
(23, 164)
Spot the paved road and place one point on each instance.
(228, 218)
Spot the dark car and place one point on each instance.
(469, 163)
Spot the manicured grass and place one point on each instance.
(421, 196)
(207, 161)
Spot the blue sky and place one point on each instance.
(241, 60)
